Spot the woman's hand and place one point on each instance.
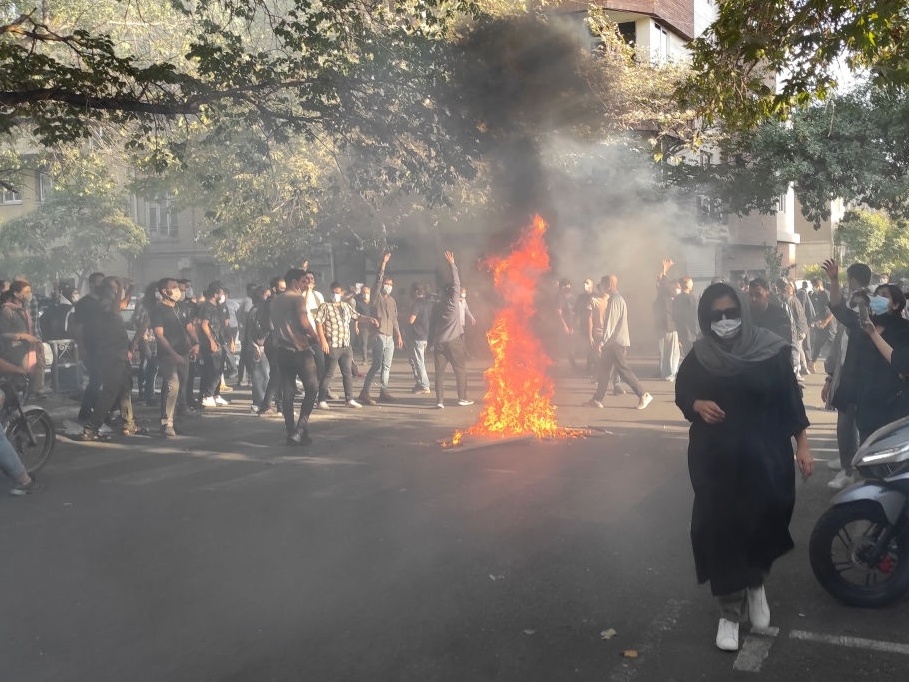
(709, 411)
(804, 459)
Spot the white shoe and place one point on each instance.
(253, 409)
(353, 403)
(221, 401)
(323, 405)
(465, 402)
(841, 480)
(208, 401)
(834, 464)
(727, 635)
(645, 400)
(440, 406)
(758, 608)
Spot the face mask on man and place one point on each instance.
(174, 294)
(726, 329)
(336, 298)
(386, 289)
(221, 299)
(879, 305)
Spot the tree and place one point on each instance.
(83, 222)
(874, 238)
(805, 44)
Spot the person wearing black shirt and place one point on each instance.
(178, 345)
(211, 324)
(85, 331)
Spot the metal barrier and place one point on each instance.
(66, 370)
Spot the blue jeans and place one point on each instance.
(383, 350)
(259, 371)
(418, 364)
(10, 463)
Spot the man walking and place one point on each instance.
(387, 336)
(614, 346)
(294, 337)
(177, 344)
(447, 336)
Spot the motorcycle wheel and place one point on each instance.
(842, 539)
(34, 453)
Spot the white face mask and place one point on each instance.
(336, 298)
(222, 298)
(726, 329)
(386, 289)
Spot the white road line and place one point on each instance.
(854, 642)
(755, 650)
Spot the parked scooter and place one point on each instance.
(859, 549)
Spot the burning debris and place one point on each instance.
(518, 400)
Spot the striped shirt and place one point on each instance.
(335, 320)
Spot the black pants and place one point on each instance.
(337, 357)
(116, 389)
(92, 390)
(454, 352)
(613, 356)
(212, 368)
(293, 364)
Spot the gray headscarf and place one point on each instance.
(751, 345)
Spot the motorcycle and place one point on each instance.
(859, 549)
(28, 427)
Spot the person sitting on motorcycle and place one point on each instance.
(10, 462)
(879, 394)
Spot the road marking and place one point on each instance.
(666, 620)
(854, 642)
(755, 650)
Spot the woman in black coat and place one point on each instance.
(738, 390)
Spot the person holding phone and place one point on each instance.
(869, 382)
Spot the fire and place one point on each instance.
(518, 400)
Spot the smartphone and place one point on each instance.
(864, 317)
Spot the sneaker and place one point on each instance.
(465, 402)
(299, 437)
(386, 397)
(323, 405)
(269, 412)
(366, 399)
(834, 464)
(440, 406)
(253, 409)
(353, 403)
(221, 401)
(758, 608)
(425, 391)
(225, 388)
(841, 480)
(208, 401)
(727, 635)
(593, 402)
(416, 389)
(167, 431)
(135, 430)
(25, 489)
(645, 400)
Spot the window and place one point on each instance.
(161, 217)
(779, 204)
(44, 186)
(706, 159)
(629, 32)
(660, 47)
(10, 196)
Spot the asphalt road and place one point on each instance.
(377, 554)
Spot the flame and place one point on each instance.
(518, 400)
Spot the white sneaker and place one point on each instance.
(323, 405)
(208, 401)
(834, 464)
(727, 635)
(353, 403)
(841, 480)
(254, 409)
(645, 400)
(465, 402)
(758, 608)
(440, 406)
(221, 401)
